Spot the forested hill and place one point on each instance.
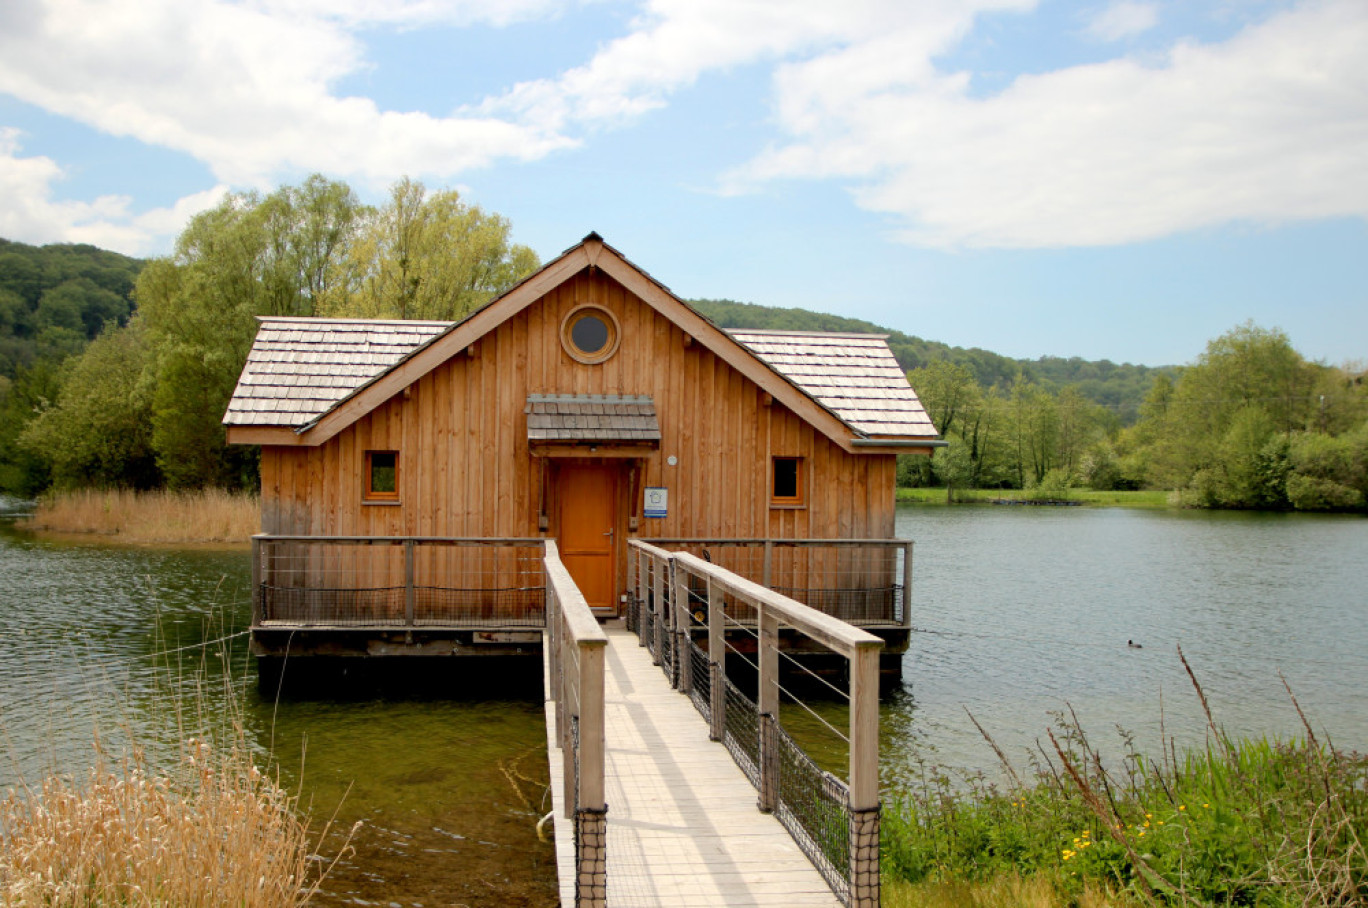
(1119, 388)
(55, 299)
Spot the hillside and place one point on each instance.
(55, 299)
(1119, 388)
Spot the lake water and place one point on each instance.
(1022, 611)
(1018, 611)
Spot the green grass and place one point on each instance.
(1248, 822)
(1145, 499)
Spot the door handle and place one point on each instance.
(609, 533)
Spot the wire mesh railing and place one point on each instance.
(865, 582)
(397, 582)
(575, 666)
(695, 615)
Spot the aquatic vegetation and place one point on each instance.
(1241, 822)
(214, 830)
(207, 515)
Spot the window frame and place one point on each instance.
(369, 494)
(799, 497)
(567, 334)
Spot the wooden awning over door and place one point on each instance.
(606, 425)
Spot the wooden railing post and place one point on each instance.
(257, 554)
(907, 585)
(408, 583)
(864, 776)
(717, 662)
(640, 594)
(769, 561)
(767, 705)
(658, 610)
(683, 622)
(592, 832)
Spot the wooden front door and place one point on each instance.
(588, 496)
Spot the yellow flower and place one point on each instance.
(1181, 807)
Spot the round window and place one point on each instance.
(589, 334)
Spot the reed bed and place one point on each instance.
(1240, 822)
(214, 831)
(204, 516)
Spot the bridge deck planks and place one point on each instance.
(683, 829)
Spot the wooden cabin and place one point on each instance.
(409, 468)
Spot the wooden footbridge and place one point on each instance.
(654, 799)
(674, 783)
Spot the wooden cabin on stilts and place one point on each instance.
(412, 470)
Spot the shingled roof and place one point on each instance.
(299, 368)
(585, 418)
(853, 375)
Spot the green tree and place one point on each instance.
(1205, 432)
(99, 432)
(430, 256)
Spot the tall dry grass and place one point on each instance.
(214, 831)
(206, 516)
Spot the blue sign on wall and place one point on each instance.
(657, 501)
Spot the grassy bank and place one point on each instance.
(1146, 499)
(207, 516)
(1247, 822)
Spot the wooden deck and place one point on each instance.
(683, 829)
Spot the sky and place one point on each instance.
(1120, 179)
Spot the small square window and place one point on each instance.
(786, 488)
(382, 476)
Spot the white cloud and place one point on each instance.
(1122, 19)
(31, 214)
(1268, 127)
(247, 89)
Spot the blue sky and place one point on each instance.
(1121, 179)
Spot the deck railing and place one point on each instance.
(866, 582)
(397, 582)
(575, 656)
(835, 822)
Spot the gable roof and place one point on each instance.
(305, 384)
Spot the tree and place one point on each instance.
(99, 431)
(430, 256)
(305, 250)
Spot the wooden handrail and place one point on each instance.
(576, 651)
(833, 633)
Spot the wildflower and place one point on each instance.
(1182, 807)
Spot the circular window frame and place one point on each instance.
(568, 341)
